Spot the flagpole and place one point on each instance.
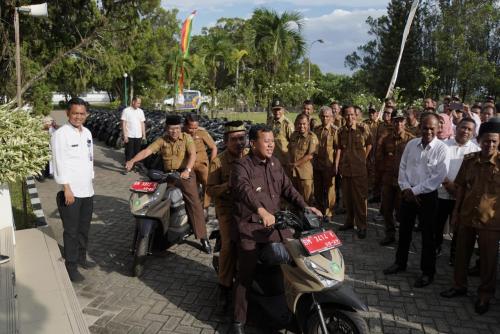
(406, 32)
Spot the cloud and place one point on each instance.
(190, 5)
(343, 31)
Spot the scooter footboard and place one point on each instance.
(343, 299)
(145, 226)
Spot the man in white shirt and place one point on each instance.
(424, 165)
(134, 129)
(73, 156)
(458, 146)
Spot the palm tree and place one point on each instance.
(282, 34)
(238, 54)
(216, 50)
(174, 65)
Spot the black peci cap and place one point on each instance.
(173, 120)
(489, 127)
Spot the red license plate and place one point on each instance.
(144, 187)
(321, 242)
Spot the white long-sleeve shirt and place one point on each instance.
(73, 157)
(457, 153)
(423, 169)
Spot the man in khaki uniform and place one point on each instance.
(282, 129)
(389, 153)
(373, 122)
(202, 140)
(179, 155)
(383, 129)
(219, 187)
(477, 213)
(323, 176)
(301, 150)
(337, 117)
(308, 109)
(354, 143)
(412, 124)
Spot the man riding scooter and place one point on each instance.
(179, 155)
(258, 182)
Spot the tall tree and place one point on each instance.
(277, 36)
(216, 50)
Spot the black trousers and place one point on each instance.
(427, 213)
(445, 208)
(76, 223)
(132, 148)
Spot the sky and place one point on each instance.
(341, 23)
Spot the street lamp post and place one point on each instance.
(125, 77)
(318, 40)
(39, 11)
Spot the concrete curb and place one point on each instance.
(35, 202)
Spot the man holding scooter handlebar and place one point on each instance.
(258, 182)
(179, 155)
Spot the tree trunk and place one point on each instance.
(237, 74)
(131, 87)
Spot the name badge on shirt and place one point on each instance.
(76, 145)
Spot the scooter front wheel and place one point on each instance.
(141, 252)
(337, 322)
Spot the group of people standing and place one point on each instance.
(419, 164)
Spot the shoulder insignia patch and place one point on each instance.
(190, 140)
(469, 156)
(287, 121)
(335, 126)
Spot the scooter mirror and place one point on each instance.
(155, 175)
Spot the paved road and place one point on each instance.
(177, 293)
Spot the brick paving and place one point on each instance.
(177, 292)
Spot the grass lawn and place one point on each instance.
(257, 117)
(17, 207)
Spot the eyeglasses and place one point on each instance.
(387, 113)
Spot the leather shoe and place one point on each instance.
(237, 328)
(394, 269)
(362, 234)
(74, 275)
(452, 293)
(423, 281)
(346, 227)
(223, 299)
(482, 307)
(86, 264)
(341, 211)
(205, 245)
(387, 241)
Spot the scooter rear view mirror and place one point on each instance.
(155, 175)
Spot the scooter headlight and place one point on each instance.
(139, 208)
(314, 268)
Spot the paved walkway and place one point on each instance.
(177, 292)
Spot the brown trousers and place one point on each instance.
(248, 255)
(324, 191)
(201, 171)
(227, 254)
(488, 243)
(193, 205)
(391, 198)
(354, 193)
(306, 189)
(377, 186)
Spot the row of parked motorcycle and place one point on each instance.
(106, 126)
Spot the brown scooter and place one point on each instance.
(303, 292)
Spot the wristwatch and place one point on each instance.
(188, 169)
